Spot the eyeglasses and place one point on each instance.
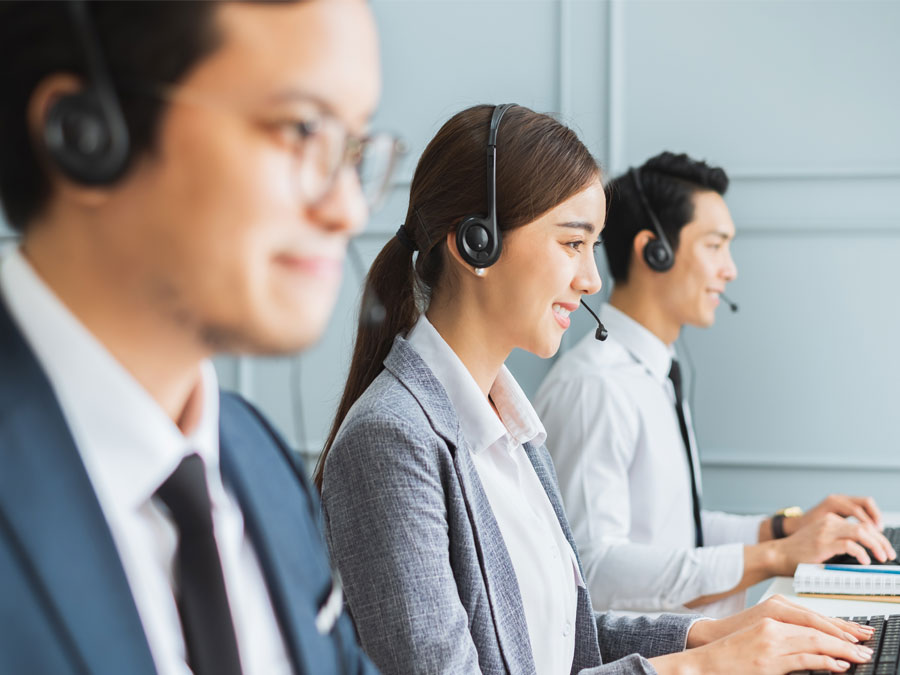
(321, 147)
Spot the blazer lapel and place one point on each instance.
(547, 475)
(497, 569)
(50, 511)
(496, 566)
(587, 648)
(282, 523)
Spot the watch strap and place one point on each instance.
(778, 526)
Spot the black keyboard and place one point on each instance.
(885, 643)
(892, 534)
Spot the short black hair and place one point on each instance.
(142, 43)
(669, 182)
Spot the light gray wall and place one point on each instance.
(796, 394)
(798, 100)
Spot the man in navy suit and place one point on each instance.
(183, 177)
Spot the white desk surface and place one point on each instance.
(851, 608)
(828, 607)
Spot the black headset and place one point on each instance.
(658, 253)
(85, 133)
(478, 237)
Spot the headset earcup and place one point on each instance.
(657, 256)
(473, 241)
(476, 237)
(82, 141)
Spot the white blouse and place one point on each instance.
(544, 563)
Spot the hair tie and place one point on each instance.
(404, 238)
(422, 225)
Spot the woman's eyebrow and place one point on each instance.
(578, 225)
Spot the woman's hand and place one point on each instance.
(779, 608)
(767, 647)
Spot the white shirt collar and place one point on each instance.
(128, 444)
(479, 425)
(654, 354)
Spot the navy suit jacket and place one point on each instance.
(65, 604)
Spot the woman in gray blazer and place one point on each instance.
(441, 503)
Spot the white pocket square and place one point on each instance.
(331, 609)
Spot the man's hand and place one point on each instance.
(826, 537)
(864, 509)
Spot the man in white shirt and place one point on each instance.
(620, 431)
(180, 177)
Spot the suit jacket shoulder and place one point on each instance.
(65, 603)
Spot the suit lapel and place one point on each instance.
(496, 567)
(282, 523)
(50, 512)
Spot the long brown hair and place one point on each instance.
(540, 164)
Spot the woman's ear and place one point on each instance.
(450, 243)
(461, 265)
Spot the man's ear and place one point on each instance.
(45, 94)
(640, 242)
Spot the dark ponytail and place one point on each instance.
(390, 283)
(540, 164)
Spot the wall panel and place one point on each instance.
(806, 374)
(761, 85)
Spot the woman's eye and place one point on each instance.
(576, 245)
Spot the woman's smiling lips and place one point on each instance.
(561, 311)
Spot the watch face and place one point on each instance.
(793, 512)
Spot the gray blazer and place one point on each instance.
(426, 574)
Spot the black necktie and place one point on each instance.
(202, 600)
(675, 376)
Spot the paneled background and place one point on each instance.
(795, 395)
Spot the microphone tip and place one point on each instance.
(601, 332)
(731, 305)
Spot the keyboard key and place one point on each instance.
(885, 642)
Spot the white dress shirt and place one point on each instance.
(544, 562)
(129, 447)
(609, 411)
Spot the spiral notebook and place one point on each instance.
(869, 582)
